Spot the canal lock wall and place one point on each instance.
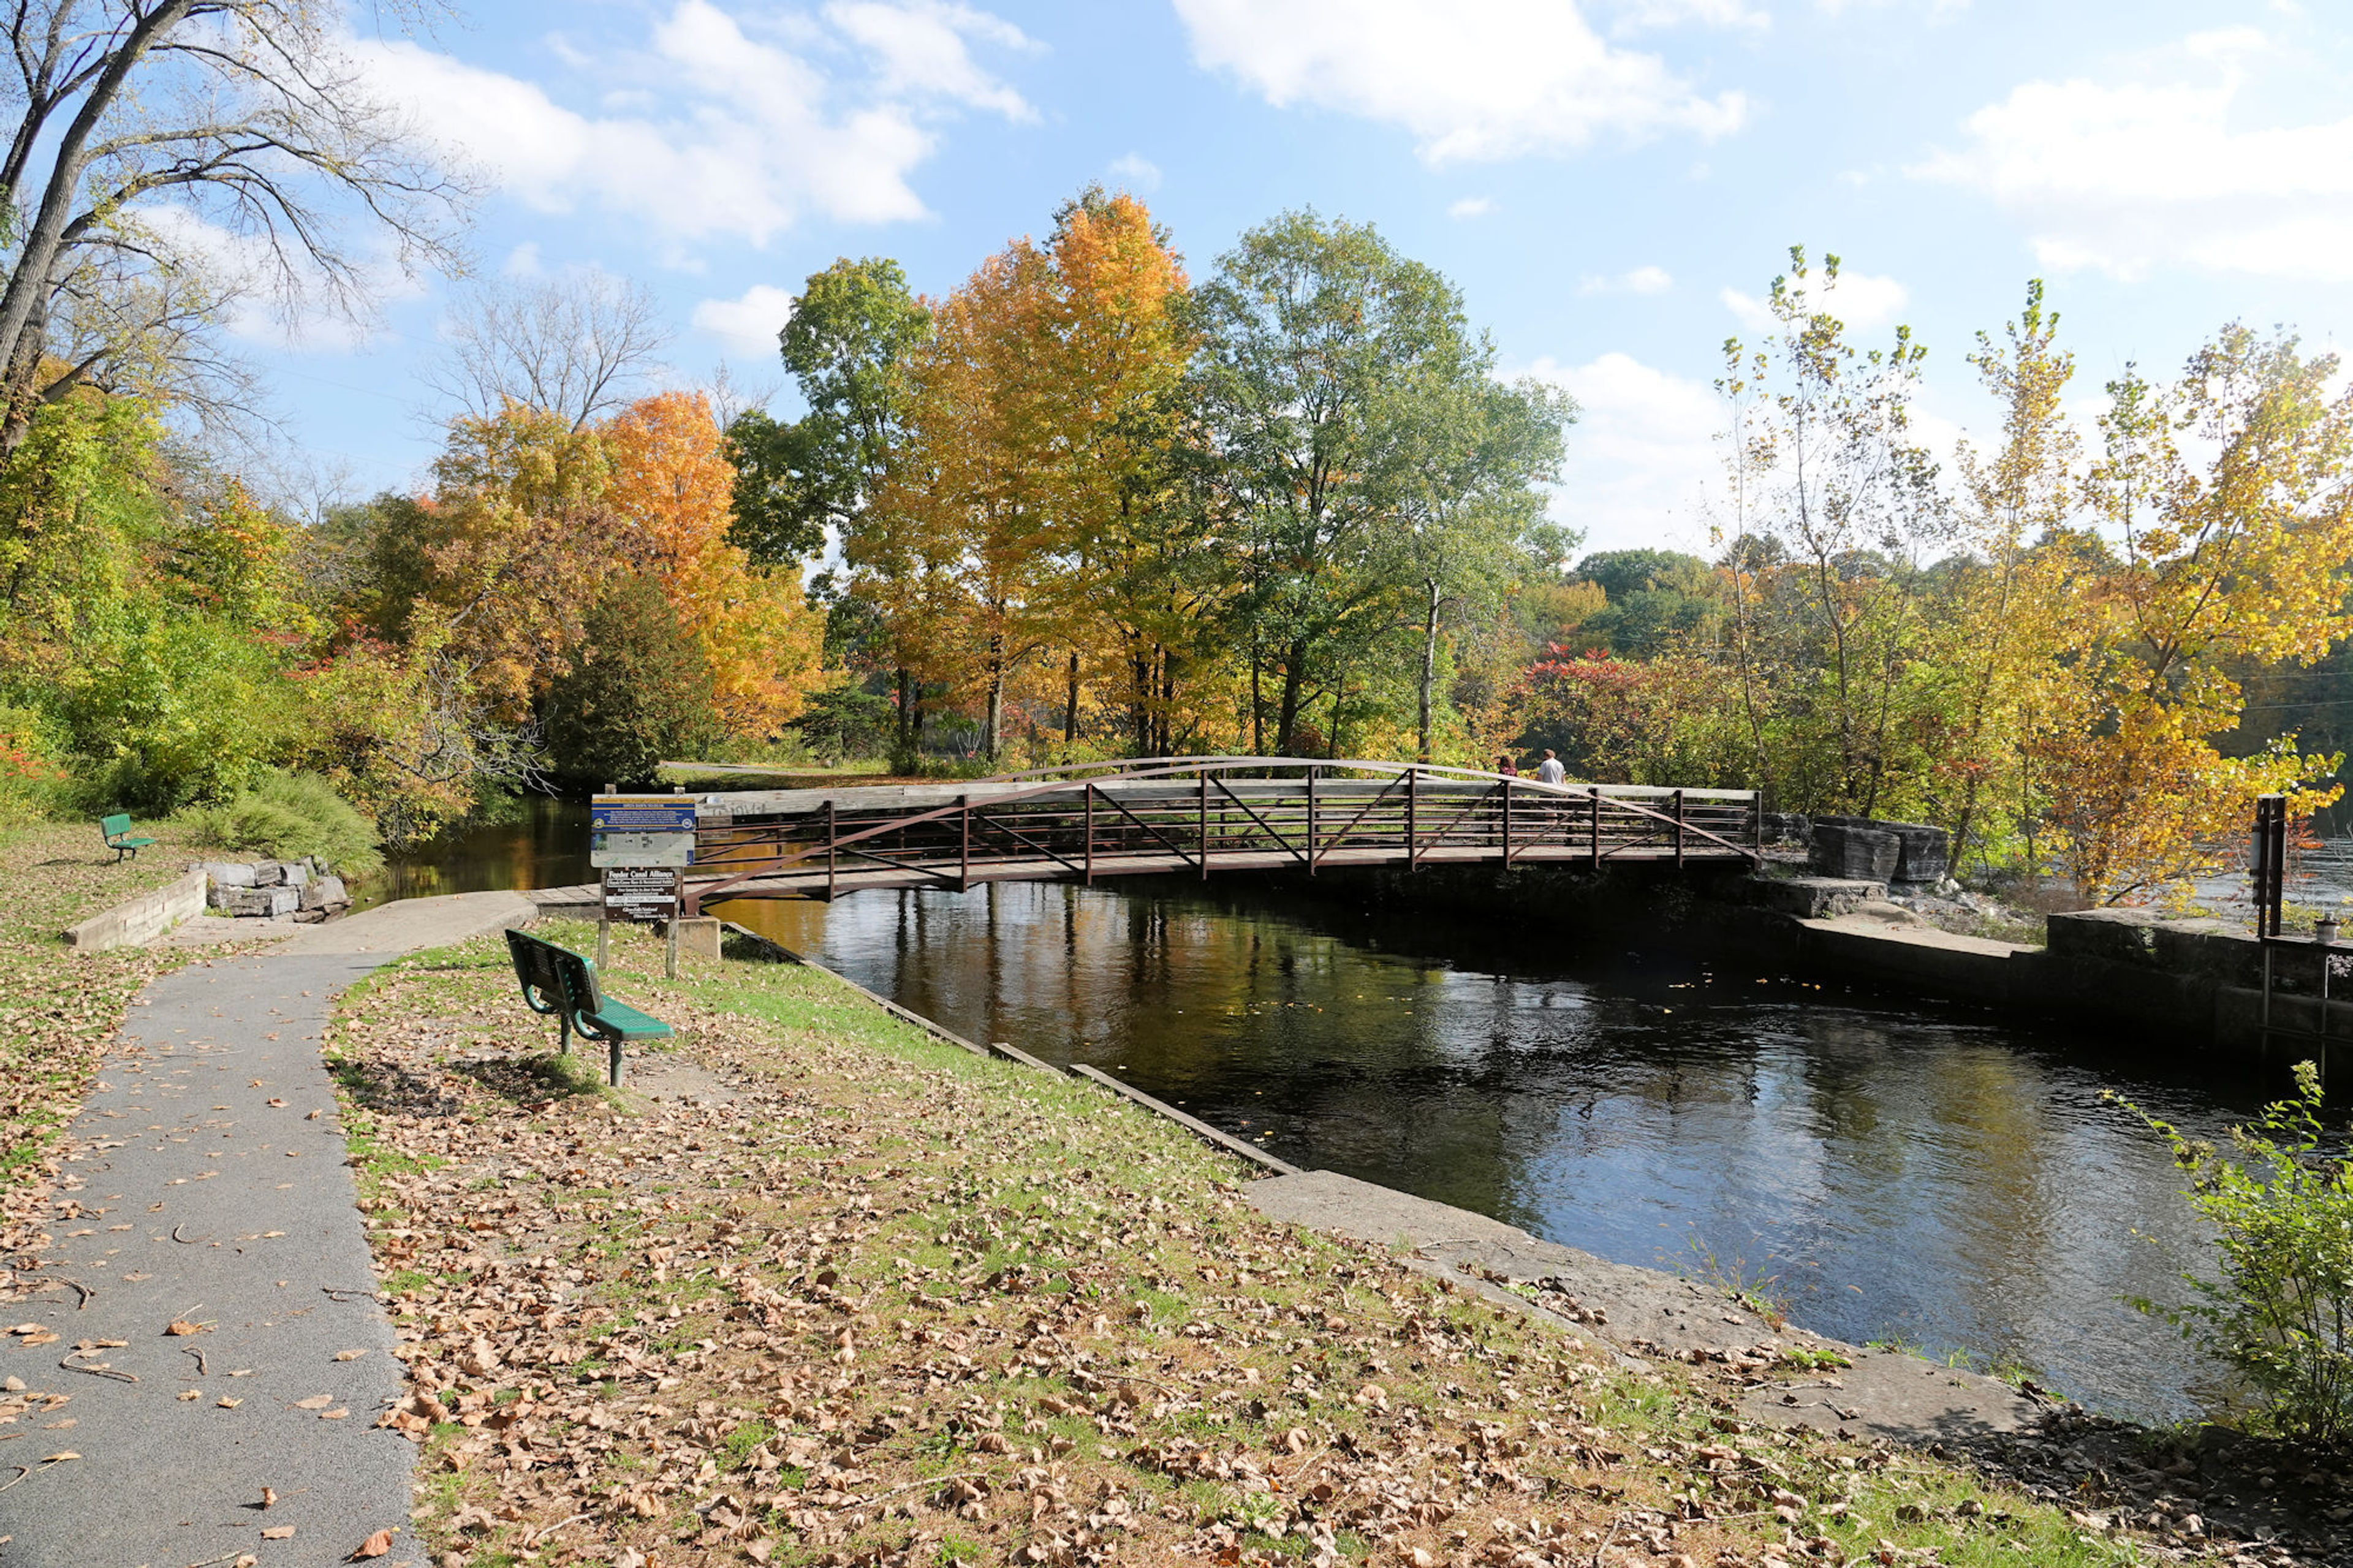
(2187, 986)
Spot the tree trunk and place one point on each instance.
(1139, 697)
(1429, 666)
(1286, 721)
(992, 725)
(907, 723)
(1070, 704)
(1258, 704)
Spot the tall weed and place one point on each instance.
(2282, 1312)
(288, 815)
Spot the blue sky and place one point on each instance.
(1612, 182)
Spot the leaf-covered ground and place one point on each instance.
(59, 1008)
(821, 1289)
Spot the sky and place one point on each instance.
(1612, 184)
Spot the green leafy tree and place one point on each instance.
(640, 693)
(1320, 345)
(846, 346)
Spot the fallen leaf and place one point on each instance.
(225, 1403)
(279, 1532)
(375, 1545)
(336, 1414)
(268, 1497)
(59, 1458)
(192, 1394)
(349, 1355)
(316, 1402)
(182, 1326)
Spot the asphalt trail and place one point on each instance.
(204, 1185)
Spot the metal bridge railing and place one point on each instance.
(1173, 813)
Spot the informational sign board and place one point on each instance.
(640, 830)
(640, 892)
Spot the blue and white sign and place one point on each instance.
(640, 830)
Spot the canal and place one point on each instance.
(1894, 1172)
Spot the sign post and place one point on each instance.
(641, 843)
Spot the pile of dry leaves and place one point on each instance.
(820, 1289)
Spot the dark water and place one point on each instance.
(1942, 1178)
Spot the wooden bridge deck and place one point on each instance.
(1195, 815)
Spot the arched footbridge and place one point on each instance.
(1159, 815)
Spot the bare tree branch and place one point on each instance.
(574, 347)
(171, 157)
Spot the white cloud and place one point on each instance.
(923, 48)
(1488, 81)
(1642, 457)
(1136, 172)
(1471, 206)
(1640, 280)
(747, 324)
(523, 261)
(1858, 298)
(1636, 15)
(2121, 177)
(749, 136)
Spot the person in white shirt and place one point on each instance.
(1549, 771)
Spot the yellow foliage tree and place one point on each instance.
(670, 485)
(2223, 505)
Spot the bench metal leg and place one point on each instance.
(613, 1071)
(562, 1033)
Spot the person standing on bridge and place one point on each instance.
(1549, 771)
(1506, 766)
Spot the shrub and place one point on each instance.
(286, 817)
(175, 711)
(2282, 1312)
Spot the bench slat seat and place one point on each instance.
(631, 1024)
(559, 983)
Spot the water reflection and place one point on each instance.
(1923, 1175)
(546, 846)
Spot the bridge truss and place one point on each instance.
(1156, 816)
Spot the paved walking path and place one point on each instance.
(207, 1186)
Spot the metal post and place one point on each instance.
(1205, 823)
(828, 851)
(1412, 821)
(1593, 840)
(1679, 830)
(1508, 824)
(1091, 833)
(1756, 828)
(613, 1064)
(669, 964)
(963, 864)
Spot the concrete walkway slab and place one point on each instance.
(206, 1183)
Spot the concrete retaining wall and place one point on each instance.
(140, 920)
(2193, 986)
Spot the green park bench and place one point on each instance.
(117, 829)
(559, 982)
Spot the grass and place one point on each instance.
(59, 1007)
(837, 1293)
